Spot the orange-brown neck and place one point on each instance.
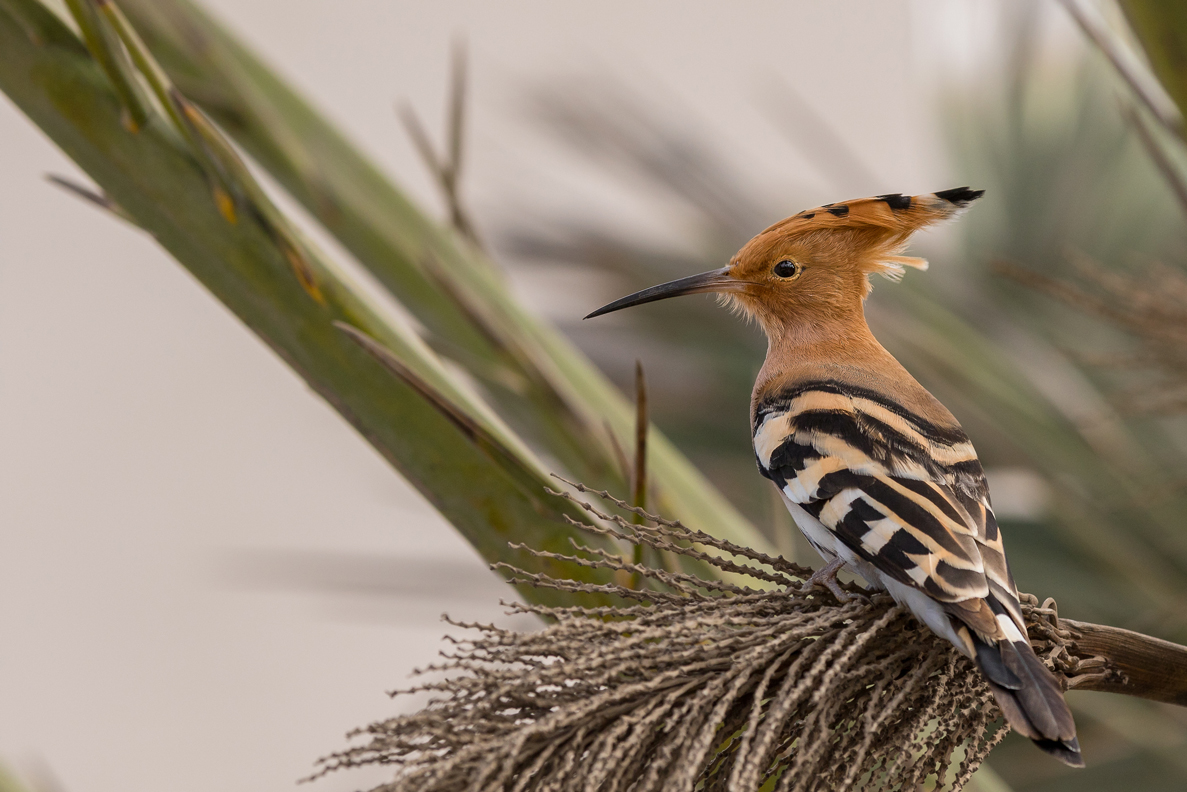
(840, 348)
(799, 345)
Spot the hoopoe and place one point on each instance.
(878, 475)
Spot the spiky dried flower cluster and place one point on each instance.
(700, 683)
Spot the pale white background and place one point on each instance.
(163, 478)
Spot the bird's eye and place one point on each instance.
(787, 269)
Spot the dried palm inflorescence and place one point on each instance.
(699, 682)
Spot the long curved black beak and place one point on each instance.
(713, 281)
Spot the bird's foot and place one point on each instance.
(826, 577)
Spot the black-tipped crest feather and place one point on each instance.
(960, 195)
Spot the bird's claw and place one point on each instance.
(826, 577)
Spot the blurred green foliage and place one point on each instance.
(474, 405)
(8, 782)
(1161, 28)
(178, 179)
(546, 390)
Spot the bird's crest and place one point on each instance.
(883, 224)
(816, 265)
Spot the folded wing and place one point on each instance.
(908, 498)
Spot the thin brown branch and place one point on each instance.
(1152, 668)
(642, 423)
(99, 199)
(1107, 659)
(420, 141)
(456, 124)
(447, 168)
(639, 470)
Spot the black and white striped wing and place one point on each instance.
(904, 495)
(909, 500)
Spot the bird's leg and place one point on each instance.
(826, 577)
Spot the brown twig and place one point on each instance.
(639, 471)
(99, 199)
(1149, 667)
(642, 424)
(447, 168)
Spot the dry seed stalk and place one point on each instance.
(702, 684)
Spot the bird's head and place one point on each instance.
(816, 265)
